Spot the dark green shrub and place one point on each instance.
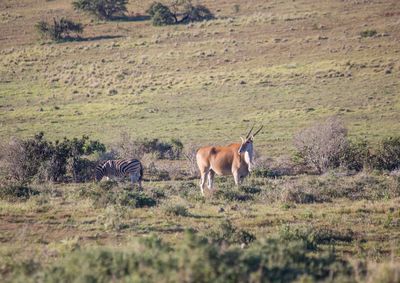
(196, 13)
(227, 233)
(60, 29)
(181, 12)
(47, 161)
(368, 33)
(299, 194)
(250, 189)
(16, 192)
(161, 15)
(313, 236)
(357, 155)
(117, 196)
(176, 210)
(103, 9)
(387, 154)
(261, 173)
(232, 195)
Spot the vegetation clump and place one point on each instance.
(312, 236)
(177, 210)
(226, 232)
(60, 30)
(124, 197)
(323, 144)
(103, 9)
(24, 160)
(17, 192)
(368, 33)
(180, 12)
(197, 260)
(161, 15)
(126, 147)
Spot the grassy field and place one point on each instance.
(283, 64)
(279, 63)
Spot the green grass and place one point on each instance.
(283, 64)
(67, 217)
(186, 82)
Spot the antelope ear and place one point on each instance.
(242, 138)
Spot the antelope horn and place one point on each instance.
(258, 131)
(248, 135)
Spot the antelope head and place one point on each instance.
(247, 147)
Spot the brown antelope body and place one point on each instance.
(235, 159)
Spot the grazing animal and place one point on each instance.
(235, 159)
(120, 168)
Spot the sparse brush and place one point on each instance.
(176, 210)
(60, 29)
(368, 33)
(17, 192)
(323, 144)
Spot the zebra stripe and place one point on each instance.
(120, 168)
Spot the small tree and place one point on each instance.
(196, 13)
(161, 15)
(181, 11)
(45, 160)
(103, 9)
(59, 30)
(323, 145)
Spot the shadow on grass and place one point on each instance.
(130, 18)
(100, 37)
(92, 38)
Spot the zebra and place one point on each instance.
(120, 168)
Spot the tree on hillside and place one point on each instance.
(59, 30)
(179, 12)
(103, 9)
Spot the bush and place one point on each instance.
(181, 12)
(368, 33)
(103, 9)
(232, 195)
(59, 30)
(387, 154)
(323, 145)
(127, 147)
(196, 13)
(312, 236)
(15, 193)
(45, 160)
(357, 156)
(161, 15)
(227, 233)
(176, 210)
(194, 259)
(124, 197)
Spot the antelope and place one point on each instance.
(235, 159)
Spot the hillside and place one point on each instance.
(285, 64)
